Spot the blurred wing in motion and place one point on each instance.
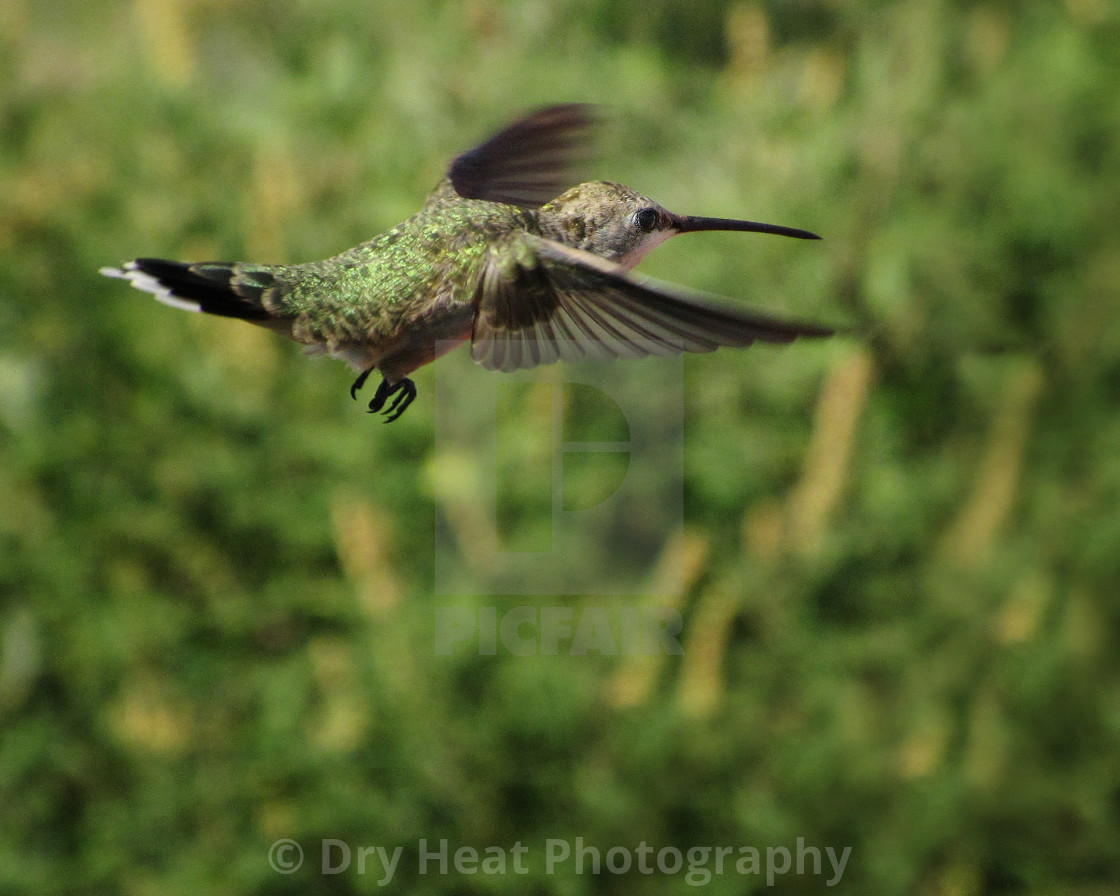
(530, 162)
(544, 302)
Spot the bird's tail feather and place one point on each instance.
(215, 287)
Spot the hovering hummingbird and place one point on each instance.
(505, 253)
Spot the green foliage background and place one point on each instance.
(901, 552)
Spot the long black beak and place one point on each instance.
(692, 224)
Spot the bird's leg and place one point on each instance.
(360, 381)
(407, 391)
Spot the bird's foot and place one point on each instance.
(404, 389)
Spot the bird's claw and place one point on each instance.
(404, 389)
(360, 381)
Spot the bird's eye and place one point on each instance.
(647, 219)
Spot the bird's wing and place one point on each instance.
(540, 301)
(531, 161)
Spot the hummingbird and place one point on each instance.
(509, 252)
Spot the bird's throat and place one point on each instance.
(652, 241)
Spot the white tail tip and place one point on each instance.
(147, 283)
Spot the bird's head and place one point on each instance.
(621, 225)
